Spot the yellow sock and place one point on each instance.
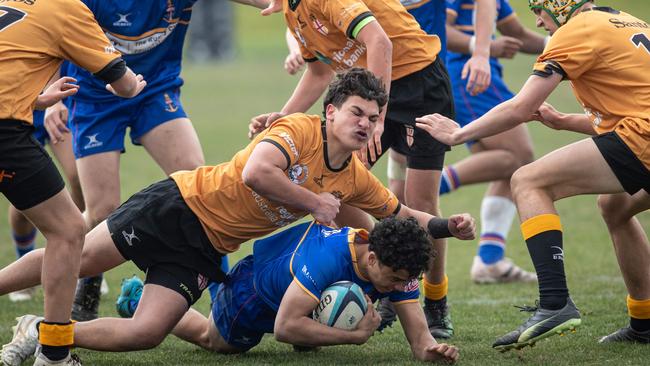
(435, 291)
(56, 334)
(639, 309)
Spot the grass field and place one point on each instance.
(221, 98)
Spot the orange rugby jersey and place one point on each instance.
(231, 213)
(35, 37)
(326, 31)
(606, 56)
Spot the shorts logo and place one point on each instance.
(413, 285)
(6, 175)
(409, 135)
(93, 141)
(202, 281)
(123, 21)
(187, 291)
(129, 237)
(169, 103)
(298, 173)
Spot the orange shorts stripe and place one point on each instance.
(435, 291)
(639, 309)
(539, 224)
(56, 334)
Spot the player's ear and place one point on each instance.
(330, 110)
(372, 259)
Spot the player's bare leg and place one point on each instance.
(396, 174)
(159, 310)
(633, 253)
(174, 145)
(63, 153)
(535, 188)
(195, 328)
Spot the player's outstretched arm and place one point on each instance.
(501, 118)
(294, 60)
(293, 324)
(562, 121)
(423, 346)
(57, 91)
(128, 86)
(459, 226)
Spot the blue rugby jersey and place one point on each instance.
(432, 16)
(465, 17)
(149, 34)
(314, 256)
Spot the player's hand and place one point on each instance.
(275, 6)
(462, 226)
(261, 122)
(478, 70)
(134, 90)
(294, 62)
(505, 47)
(369, 323)
(326, 209)
(56, 122)
(549, 116)
(59, 90)
(440, 128)
(440, 352)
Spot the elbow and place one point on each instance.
(282, 331)
(251, 176)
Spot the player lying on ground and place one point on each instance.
(605, 54)
(276, 289)
(177, 230)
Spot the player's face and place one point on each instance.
(385, 279)
(354, 123)
(543, 20)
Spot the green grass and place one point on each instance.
(221, 98)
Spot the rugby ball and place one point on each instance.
(342, 305)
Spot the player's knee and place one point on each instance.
(70, 234)
(99, 212)
(612, 210)
(522, 181)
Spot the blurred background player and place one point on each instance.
(495, 158)
(34, 38)
(270, 292)
(385, 39)
(603, 52)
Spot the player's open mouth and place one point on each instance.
(361, 135)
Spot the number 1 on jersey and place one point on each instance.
(641, 39)
(9, 16)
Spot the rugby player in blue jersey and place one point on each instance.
(276, 289)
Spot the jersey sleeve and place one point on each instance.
(82, 40)
(349, 16)
(505, 10)
(315, 271)
(411, 293)
(370, 194)
(293, 135)
(569, 52)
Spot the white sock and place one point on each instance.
(497, 214)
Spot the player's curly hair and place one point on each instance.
(356, 81)
(402, 244)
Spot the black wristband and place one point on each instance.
(439, 228)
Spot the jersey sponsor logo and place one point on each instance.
(143, 44)
(6, 175)
(305, 271)
(130, 236)
(93, 141)
(318, 25)
(109, 50)
(279, 216)
(123, 20)
(186, 290)
(618, 23)
(292, 146)
(170, 106)
(298, 173)
(26, 2)
(413, 285)
(329, 232)
(350, 53)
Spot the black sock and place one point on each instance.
(440, 302)
(640, 325)
(547, 254)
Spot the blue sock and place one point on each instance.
(24, 243)
(491, 248)
(449, 180)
